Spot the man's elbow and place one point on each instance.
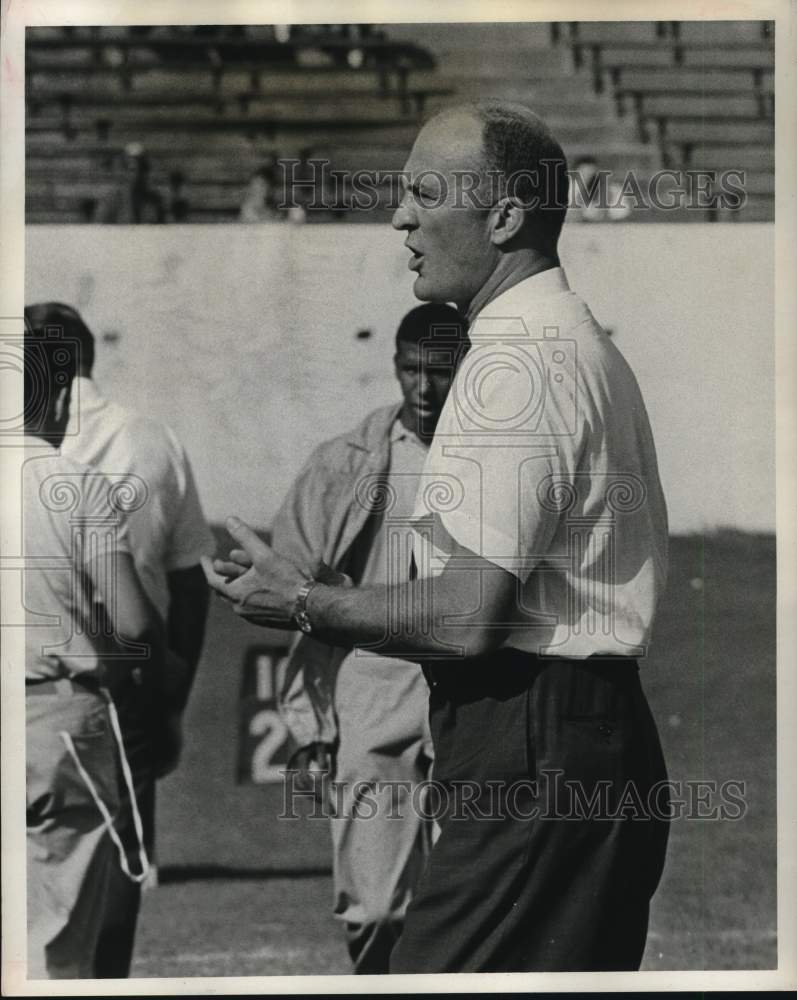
(475, 607)
(486, 641)
(480, 640)
(139, 625)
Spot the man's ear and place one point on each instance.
(507, 221)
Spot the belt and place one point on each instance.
(493, 671)
(65, 687)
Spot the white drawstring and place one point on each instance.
(142, 854)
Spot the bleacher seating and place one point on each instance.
(207, 104)
(715, 33)
(519, 62)
(211, 104)
(702, 91)
(726, 56)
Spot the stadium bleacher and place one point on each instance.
(702, 91)
(211, 104)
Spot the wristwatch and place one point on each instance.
(300, 615)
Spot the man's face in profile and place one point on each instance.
(425, 373)
(452, 254)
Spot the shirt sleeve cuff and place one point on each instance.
(485, 540)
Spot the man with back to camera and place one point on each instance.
(536, 586)
(77, 552)
(368, 713)
(167, 536)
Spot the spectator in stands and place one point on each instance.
(77, 550)
(167, 536)
(301, 186)
(178, 203)
(135, 200)
(259, 203)
(595, 196)
(367, 712)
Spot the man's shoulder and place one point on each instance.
(144, 438)
(60, 483)
(157, 430)
(53, 462)
(369, 435)
(565, 313)
(564, 329)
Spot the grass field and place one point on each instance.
(246, 894)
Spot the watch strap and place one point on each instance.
(300, 615)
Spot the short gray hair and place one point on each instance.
(521, 152)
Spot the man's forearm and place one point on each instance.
(188, 607)
(465, 611)
(186, 629)
(417, 619)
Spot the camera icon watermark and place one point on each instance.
(442, 351)
(48, 359)
(507, 381)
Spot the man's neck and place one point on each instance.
(410, 423)
(505, 276)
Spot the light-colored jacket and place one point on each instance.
(322, 517)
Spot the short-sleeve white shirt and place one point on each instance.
(168, 530)
(69, 516)
(546, 467)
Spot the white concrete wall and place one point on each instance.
(244, 340)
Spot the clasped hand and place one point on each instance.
(260, 584)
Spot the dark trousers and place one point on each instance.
(549, 850)
(114, 951)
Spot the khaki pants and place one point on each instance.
(69, 854)
(380, 843)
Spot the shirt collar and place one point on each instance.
(398, 432)
(525, 294)
(87, 393)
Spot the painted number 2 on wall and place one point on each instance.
(265, 744)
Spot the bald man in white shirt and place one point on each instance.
(540, 558)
